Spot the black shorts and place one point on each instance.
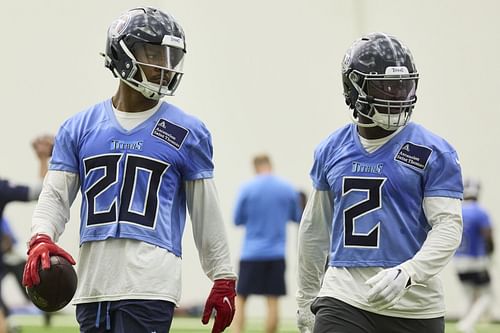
(125, 316)
(334, 316)
(266, 277)
(475, 278)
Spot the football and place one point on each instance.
(57, 285)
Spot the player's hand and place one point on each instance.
(221, 299)
(40, 248)
(387, 287)
(305, 319)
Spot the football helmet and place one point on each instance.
(472, 188)
(144, 41)
(380, 81)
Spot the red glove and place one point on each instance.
(221, 299)
(40, 248)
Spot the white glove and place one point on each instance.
(305, 320)
(387, 287)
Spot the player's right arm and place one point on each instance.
(52, 211)
(49, 219)
(313, 248)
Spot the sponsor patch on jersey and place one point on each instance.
(414, 155)
(171, 133)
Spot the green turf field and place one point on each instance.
(67, 324)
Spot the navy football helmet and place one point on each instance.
(380, 81)
(146, 39)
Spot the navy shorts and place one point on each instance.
(125, 316)
(477, 279)
(266, 277)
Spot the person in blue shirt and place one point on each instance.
(473, 257)
(138, 163)
(264, 206)
(385, 209)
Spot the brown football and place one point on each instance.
(57, 285)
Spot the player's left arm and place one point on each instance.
(487, 234)
(445, 216)
(208, 229)
(211, 241)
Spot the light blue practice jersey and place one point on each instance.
(132, 182)
(378, 219)
(264, 206)
(475, 220)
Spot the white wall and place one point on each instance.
(264, 76)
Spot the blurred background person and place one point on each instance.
(472, 259)
(264, 206)
(10, 191)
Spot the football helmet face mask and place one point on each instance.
(380, 82)
(145, 48)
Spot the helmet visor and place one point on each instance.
(391, 89)
(159, 56)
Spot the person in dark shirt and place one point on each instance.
(10, 191)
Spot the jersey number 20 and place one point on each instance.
(129, 193)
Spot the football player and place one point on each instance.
(138, 163)
(385, 207)
(264, 206)
(472, 259)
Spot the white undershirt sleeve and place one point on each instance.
(445, 217)
(314, 245)
(208, 229)
(52, 211)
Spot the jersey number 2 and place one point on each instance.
(373, 189)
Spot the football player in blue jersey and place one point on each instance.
(385, 206)
(472, 259)
(138, 163)
(264, 206)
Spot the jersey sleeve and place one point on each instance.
(296, 209)
(444, 177)
(318, 174)
(239, 214)
(484, 219)
(199, 163)
(64, 155)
